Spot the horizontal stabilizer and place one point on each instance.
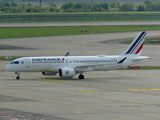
(141, 59)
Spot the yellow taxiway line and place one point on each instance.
(123, 90)
(128, 90)
(88, 90)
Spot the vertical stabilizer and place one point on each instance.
(136, 46)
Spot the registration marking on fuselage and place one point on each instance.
(51, 80)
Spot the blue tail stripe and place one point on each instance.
(138, 44)
(139, 38)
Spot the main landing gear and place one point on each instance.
(81, 76)
(18, 77)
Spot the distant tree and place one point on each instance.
(30, 9)
(53, 5)
(37, 9)
(79, 5)
(158, 2)
(147, 5)
(140, 8)
(127, 7)
(29, 4)
(115, 5)
(155, 7)
(105, 6)
(52, 9)
(7, 4)
(13, 4)
(68, 5)
(1, 4)
(4, 8)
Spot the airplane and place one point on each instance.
(69, 66)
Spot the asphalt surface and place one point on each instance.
(113, 95)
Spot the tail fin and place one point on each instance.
(136, 46)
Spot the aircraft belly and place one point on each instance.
(105, 67)
(37, 68)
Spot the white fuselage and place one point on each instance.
(79, 63)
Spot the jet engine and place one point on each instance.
(49, 73)
(67, 72)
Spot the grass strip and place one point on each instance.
(76, 20)
(79, 16)
(147, 41)
(54, 31)
(85, 13)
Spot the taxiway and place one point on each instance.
(113, 95)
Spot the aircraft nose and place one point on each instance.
(9, 68)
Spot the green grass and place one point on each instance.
(147, 41)
(84, 13)
(78, 16)
(53, 31)
(76, 20)
(3, 48)
(150, 67)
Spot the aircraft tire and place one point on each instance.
(81, 76)
(18, 78)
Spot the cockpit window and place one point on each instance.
(15, 62)
(12, 63)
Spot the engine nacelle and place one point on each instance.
(67, 72)
(49, 73)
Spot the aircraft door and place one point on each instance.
(27, 62)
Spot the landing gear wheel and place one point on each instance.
(81, 76)
(17, 77)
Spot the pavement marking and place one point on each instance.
(88, 90)
(128, 90)
(51, 80)
(123, 90)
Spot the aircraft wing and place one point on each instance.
(86, 68)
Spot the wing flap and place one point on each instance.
(86, 68)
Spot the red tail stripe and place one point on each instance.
(139, 49)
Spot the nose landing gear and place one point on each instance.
(18, 77)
